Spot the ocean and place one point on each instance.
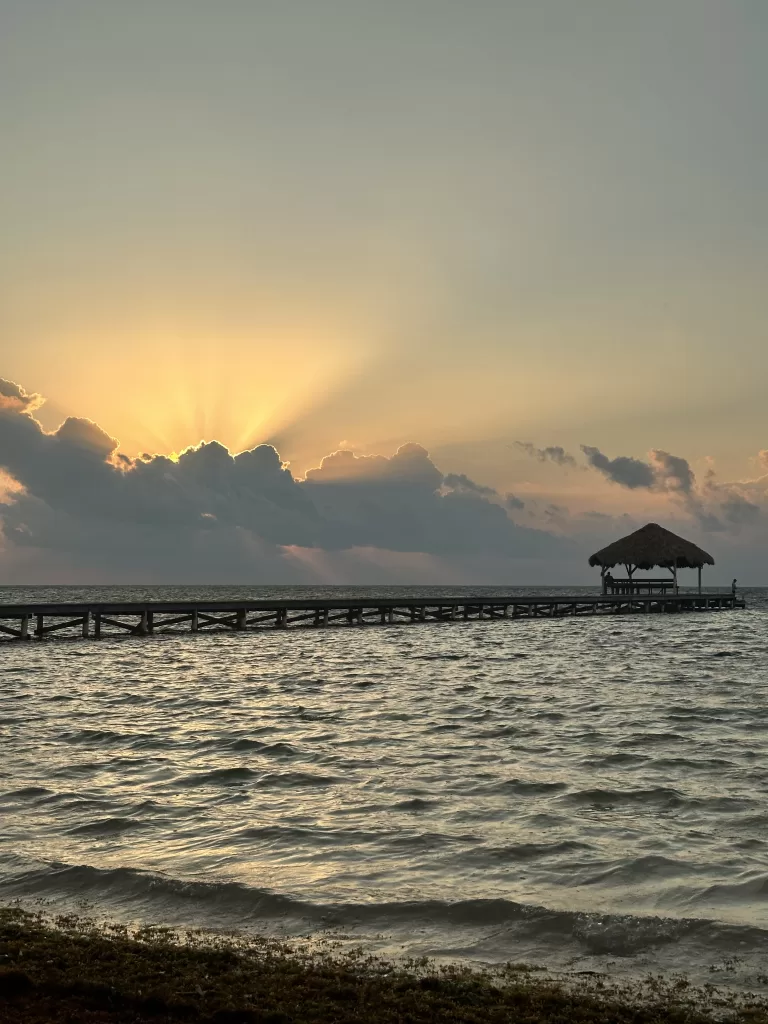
(585, 795)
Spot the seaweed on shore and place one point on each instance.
(72, 969)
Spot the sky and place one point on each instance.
(508, 256)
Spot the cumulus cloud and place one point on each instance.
(75, 493)
(404, 503)
(86, 435)
(14, 398)
(410, 465)
(70, 497)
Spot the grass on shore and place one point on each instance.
(70, 969)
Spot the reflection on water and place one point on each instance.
(493, 790)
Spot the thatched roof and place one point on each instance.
(649, 546)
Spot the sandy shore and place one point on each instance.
(71, 969)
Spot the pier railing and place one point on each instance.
(97, 620)
(655, 586)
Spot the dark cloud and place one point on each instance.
(461, 482)
(87, 435)
(738, 511)
(554, 453)
(665, 472)
(672, 472)
(404, 503)
(728, 506)
(622, 470)
(209, 515)
(13, 398)
(210, 508)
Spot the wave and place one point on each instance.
(279, 749)
(644, 738)
(693, 762)
(95, 737)
(26, 793)
(518, 787)
(415, 805)
(658, 796)
(640, 870)
(242, 906)
(107, 827)
(218, 777)
(521, 852)
(266, 780)
(747, 891)
(617, 759)
(289, 835)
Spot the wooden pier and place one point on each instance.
(138, 618)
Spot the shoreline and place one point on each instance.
(65, 968)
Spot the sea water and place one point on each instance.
(585, 794)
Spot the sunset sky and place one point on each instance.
(357, 225)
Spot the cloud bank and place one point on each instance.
(77, 499)
(74, 507)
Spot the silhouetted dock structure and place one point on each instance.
(140, 618)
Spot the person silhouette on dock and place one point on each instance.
(608, 582)
(733, 588)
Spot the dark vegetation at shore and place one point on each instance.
(73, 970)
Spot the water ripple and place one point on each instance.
(591, 771)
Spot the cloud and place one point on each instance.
(628, 472)
(738, 511)
(404, 503)
(72, 503)
(410, 466)
(210, 512)
(86, 435)
(714, 506)
(461, 482)
(665, 472)
(14, 398)
(554, 453)
(735, 505)
(672, 472)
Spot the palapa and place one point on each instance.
(649, 546)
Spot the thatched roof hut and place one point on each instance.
(649, 546)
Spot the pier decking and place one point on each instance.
(100, 620)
